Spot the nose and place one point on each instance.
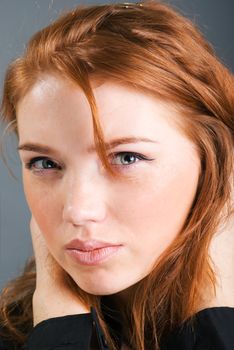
(85, 202)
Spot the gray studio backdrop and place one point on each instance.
(18, 20)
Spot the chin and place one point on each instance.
(97, 288)
(100, 286)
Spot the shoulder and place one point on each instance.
(218, 323)
(56, 332)
(211, 328)
(71, 331)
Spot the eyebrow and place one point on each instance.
(39, 148)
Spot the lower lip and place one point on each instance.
(93, 257)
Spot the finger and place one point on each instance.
(47, 267)
(39, 245)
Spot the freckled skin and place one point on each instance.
(144, 212)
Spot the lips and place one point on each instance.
(93, 257)
(89, 245)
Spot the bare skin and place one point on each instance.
(222, 255)
(50, 284)
(71, 197)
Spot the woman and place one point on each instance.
(125, 124)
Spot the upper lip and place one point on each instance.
(88, 245)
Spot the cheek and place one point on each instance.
(154, 210)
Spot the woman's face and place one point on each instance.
(106, 232)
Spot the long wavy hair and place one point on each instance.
(151, 47)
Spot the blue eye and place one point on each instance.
(127, 158)
(41, 164)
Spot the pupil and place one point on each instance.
(128, 158)
(47, 163)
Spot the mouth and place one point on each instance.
(95, 256)
(89, 245)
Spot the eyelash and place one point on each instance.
(137, 156)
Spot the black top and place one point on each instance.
(213, 330)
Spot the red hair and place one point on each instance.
(152, 48)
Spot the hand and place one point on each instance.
(222, 255)
(52, 297)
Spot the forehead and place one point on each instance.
(53, 99)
